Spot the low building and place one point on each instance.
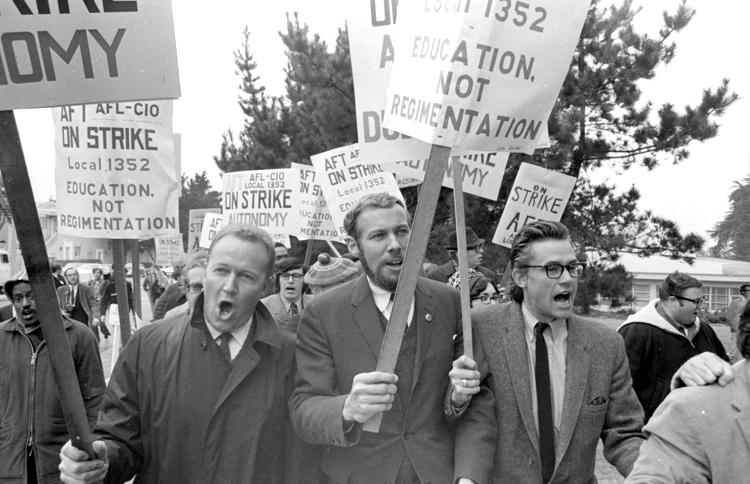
(721, 278)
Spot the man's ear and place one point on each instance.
(520, 277)
(351, 244)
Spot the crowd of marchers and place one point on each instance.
(259, 369)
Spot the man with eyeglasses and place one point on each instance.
(474, 257)
(665, 334)
(561, 382)
(287, 303)
(194, 271)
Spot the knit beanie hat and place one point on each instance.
(330, 270)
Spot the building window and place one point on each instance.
(718, 297)
(641, 294)
(77, 251)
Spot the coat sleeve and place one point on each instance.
(90, 374)
(119, 424)
(674, 452)
(621, 433)
(160, 305)
(640, 350)
(91, 299)
(316, 404)
(476, 429)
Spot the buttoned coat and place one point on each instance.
(340, 336)
(88, 300)
(175, 412)
(699, 435)
(599, 400)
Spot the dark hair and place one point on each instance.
(97, 269)
(286, 265)
(55, 267)
(676, 283)
(744, 287)
(530, 233)
(477, 285)
(248, 233)
(373, 200)
(743, 333)
(278, 244)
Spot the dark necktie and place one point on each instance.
(224, 346)
(72, 301)
(293, 311)
(544, 406)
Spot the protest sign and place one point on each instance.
(115, 170)
(537, 194)
(169, 251)
(196, 227)
(345, 178)
(315, 218)
(283, 238)
(482, 173)
(212, 223)
(268, 199)
(480, 75)
(371, 39)
(74, 52)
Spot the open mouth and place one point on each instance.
(225, 308)
(563, 298)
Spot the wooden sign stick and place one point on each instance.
(338, 254)
(463, 262)
(26, 223)
(407, 280)
(121, 287)
(136, 258)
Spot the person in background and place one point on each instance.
(78, 302)
(287, 304)
(195, 271)
(203, 398)
(57, 276)
(281, 251)
(109, 296)
(329, 272)
(32, 425)
(474, 257)
(178, 288)
(733, 317)
(97, 284)
(482, 291)
(663, 335)
(701, 434)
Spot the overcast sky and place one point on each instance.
(693, 193)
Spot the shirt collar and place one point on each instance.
(381, 296)
(240, 334)
(529, 321)
(286, 303)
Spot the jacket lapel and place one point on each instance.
(514, 348)
(576, 377)
(422, 307)
(365, 315)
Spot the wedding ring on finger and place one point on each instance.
(465, 383)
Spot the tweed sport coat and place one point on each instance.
(340, 336)
(599, 400)
(87, 297)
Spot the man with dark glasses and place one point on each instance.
(665, 334)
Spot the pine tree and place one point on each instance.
(196, 193)
(731, 233)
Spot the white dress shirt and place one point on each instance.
(239, 336)
(384, 304)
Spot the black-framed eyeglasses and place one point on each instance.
(555, 271)
(194, 288)
(698, 302)
(486, 298)
(286, 275)
(478, 248)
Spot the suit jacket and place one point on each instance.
(340, 336)
(283, 319)
(85, 295)
(699, 435)
(599, 400)
(444, 272)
